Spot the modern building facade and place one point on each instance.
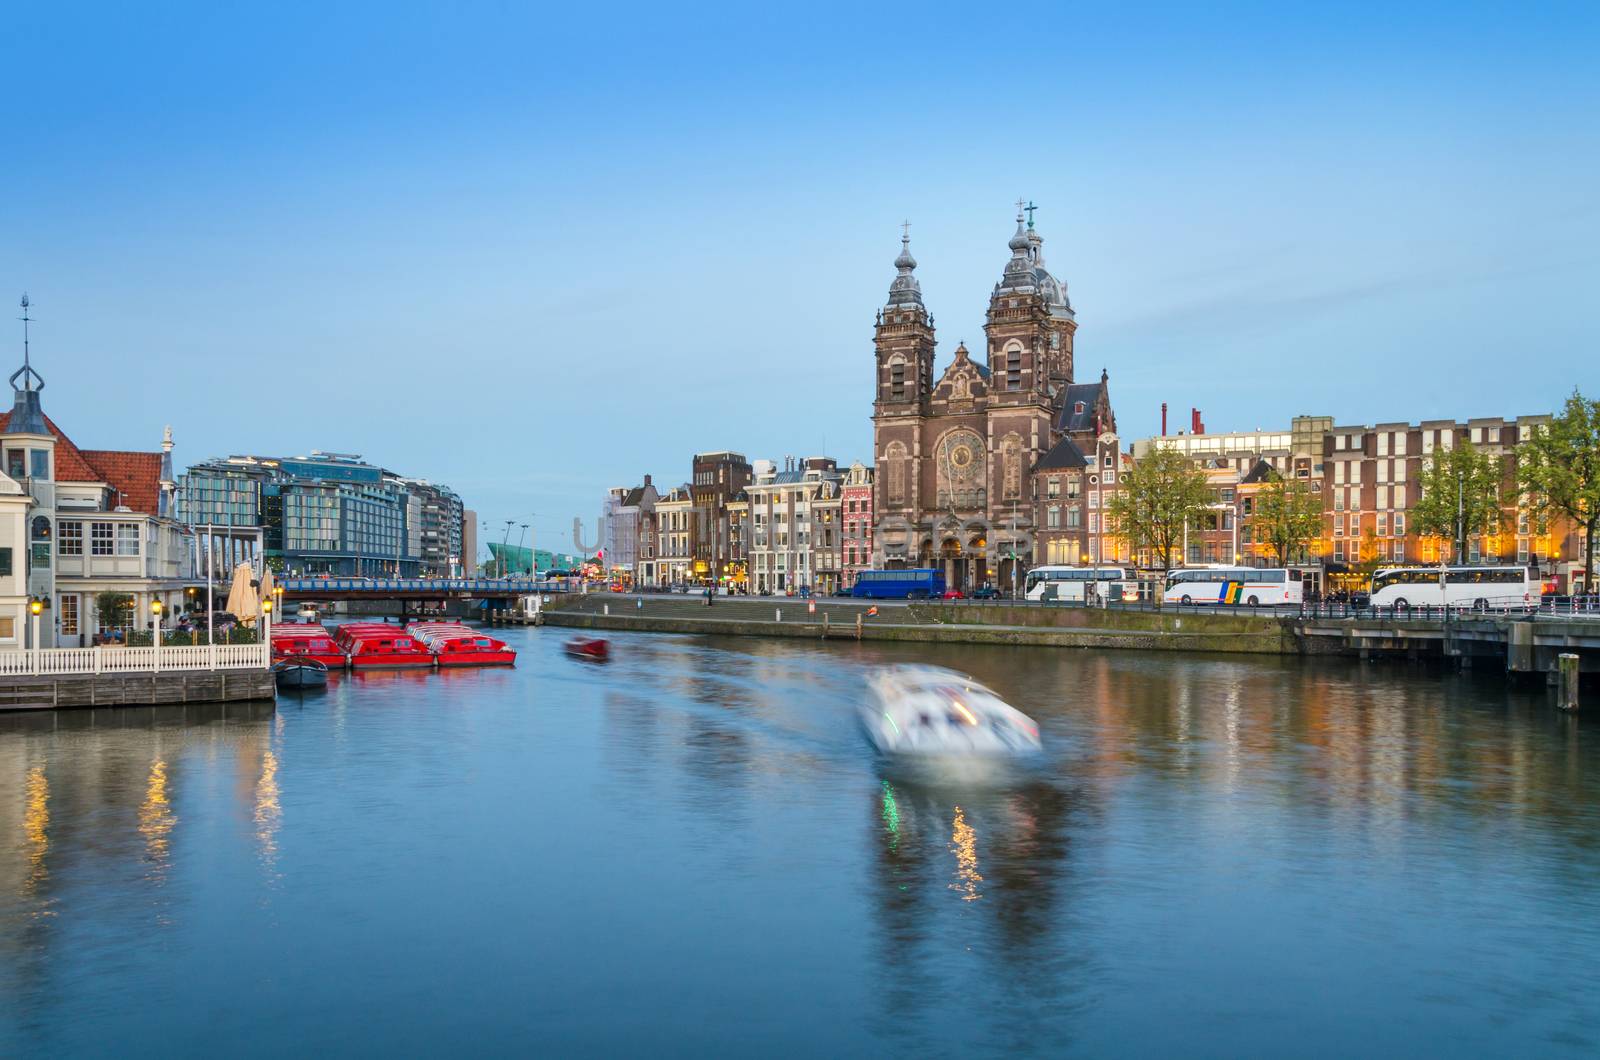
(326, 513)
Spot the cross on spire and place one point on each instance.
(905, 231)
(1020, 205)
(1031, 208)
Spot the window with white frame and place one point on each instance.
(70, 541)
(101, 538)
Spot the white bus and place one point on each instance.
(1263, 586)
(1073, 583)
(1478, 587)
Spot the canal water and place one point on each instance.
(690, 851)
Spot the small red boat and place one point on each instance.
(372, 645)
(456, 644)
(595, 649)
(308, 642)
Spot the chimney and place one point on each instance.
(647, 480)
(1163, 419)
(1195, 424)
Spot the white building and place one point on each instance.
(784, 523)
(100, 541)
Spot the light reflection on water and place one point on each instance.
(691, 850)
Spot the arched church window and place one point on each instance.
(897, 378)
(1011, 467)
(895, 457)
(1014, 368)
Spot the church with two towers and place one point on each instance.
(958, 454)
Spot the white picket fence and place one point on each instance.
(50, 661)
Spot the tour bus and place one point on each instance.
(1264, 586)
(1073, 583)
(1476, 587)
(917, 583)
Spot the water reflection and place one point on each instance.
(699, 830)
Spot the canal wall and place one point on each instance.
(135, 689)
(933, 623)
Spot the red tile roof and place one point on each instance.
(136, 475)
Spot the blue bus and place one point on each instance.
(915, 584)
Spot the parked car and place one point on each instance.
(842, 591)
(954, 594)
(987, 592)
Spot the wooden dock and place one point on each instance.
(60, 691)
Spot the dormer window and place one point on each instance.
(1078, 409)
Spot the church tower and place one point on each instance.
(904, 340)
(1030, 325)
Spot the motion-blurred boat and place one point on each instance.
(595, 649)
(932, 712)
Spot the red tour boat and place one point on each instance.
(597, 649)
(306, 641)
(375, 645)
(455, 644)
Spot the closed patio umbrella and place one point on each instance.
(267, 585)
(243, 603)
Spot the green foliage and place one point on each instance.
(1159, 495)
(1288, 517)
(1460, 496)
(1558, 471)
(171, 638)
(113, 609)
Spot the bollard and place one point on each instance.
(639, 603)
(605, 609)
(1569, 681)
(858, 625)
(824, 625)
(777, 614)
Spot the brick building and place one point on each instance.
(954, 457)
(856, 505)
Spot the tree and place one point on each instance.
(1288, 517)
(1558, 472)
(1160, 494)
(114, 609)
(1460, 496)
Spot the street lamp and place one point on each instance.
(35, 606)
(266, 624)
(155, 628)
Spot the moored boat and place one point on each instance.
(299, 672)
(380, 645)
(594, 649)
(456, 644)
(307, 640)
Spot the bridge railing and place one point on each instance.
(378, 586)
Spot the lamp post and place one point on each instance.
(155, 629)
(35, 606)
(266, 627)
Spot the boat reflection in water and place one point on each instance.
(933, 725)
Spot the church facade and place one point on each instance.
(957, 453)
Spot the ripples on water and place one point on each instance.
(692, 850)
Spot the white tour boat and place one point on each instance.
(933, 712)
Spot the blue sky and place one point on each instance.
(535, 253)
